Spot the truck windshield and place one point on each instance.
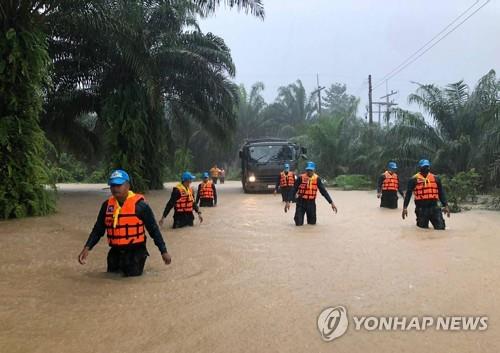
(271, 153)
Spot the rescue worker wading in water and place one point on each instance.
(182, 201)
(388, 186)
(207, 194)
(124, 216)
(427, 190)
(306, 189)
(286, 183)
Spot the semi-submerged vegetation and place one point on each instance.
(88, 86)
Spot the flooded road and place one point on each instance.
(248, 280)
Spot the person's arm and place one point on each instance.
(171, 203)
(400, 187)
(99, 228)
(196, 208)
(298, 181)
(380, 181)
(215, 194)
(145, 213)
(323, 191)
(95, 235)
(277, 183)
(442, 195)
(409, 190)
(198, 194)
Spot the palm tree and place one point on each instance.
(454, 138)
(252, 121)
(293, 109)
(157, 53)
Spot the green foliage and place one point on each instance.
(353, 182)
(98, 176)
(461, 188)
(23, 70)
(338, 102)
(144, 68)
(183, 161)
(68, 169)
(126, 116)
(494, 202)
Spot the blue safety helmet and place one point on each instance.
(311, 166)
(392, 166)
(118, 177)
(424, 163)
(287, 166)
(205, 175)
(187, 176)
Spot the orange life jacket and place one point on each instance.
(426, 188)
(308, 187)
(206, 190)
(287, 180)
(185, 202)
(123, 227)
(214, 172)
(391, 182)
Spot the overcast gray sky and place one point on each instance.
(344, 41)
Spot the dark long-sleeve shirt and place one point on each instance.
(321, 188)
(380, 181)
(143, 212)
(176, 194)
(199, 192)
(412, 183)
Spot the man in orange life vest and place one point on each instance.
(123, 217)
(306, 188)
(207, 194)
(286, 183)
(388, 186)
(428, 190)
(182, 201)
(214, 173)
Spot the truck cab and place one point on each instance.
(263, 159)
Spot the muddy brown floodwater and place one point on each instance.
(248, 280)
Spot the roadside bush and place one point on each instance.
(98, 176)
(67, 169)
(353, 182)
(462, 188)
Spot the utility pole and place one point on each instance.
(388, 104)
(370, 111)
(318, 91)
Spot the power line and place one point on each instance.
(430, 41)
(401, 68)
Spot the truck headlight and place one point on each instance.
(251, 178)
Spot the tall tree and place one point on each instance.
(338, 102)
(24, 65)
(292, 109)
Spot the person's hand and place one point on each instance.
(166, 258)
(82, 258)
(405, 213)
(446, 210)
(287, 206)
(334, 208)
(379, 195)
(161, 221)
(200, 217)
